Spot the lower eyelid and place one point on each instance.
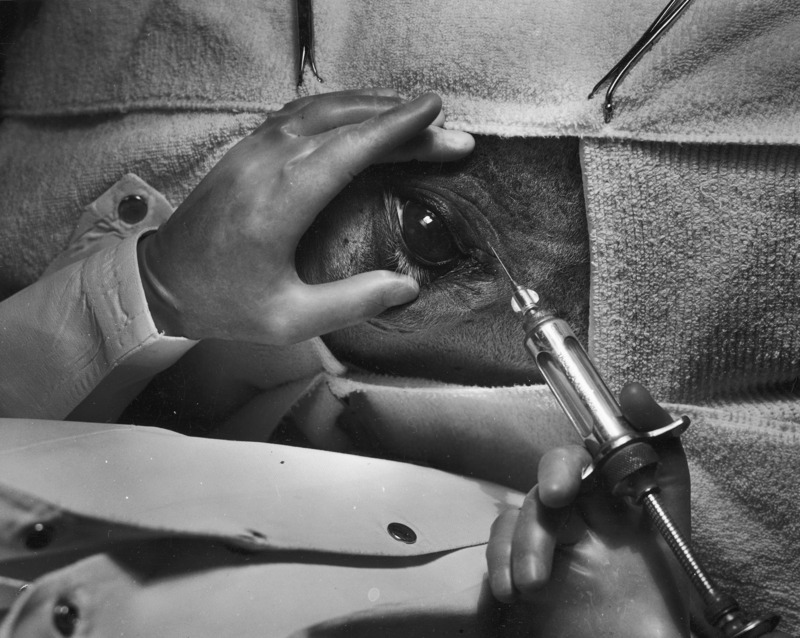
(397, 258)
(405, 267)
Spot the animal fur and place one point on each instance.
(521, 196)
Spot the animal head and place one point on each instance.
(436, 222)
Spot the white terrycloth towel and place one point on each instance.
(695, 265)
(726, 72)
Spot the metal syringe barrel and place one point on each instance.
(618, 451)
(577, 386)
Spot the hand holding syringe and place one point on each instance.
(624, 457)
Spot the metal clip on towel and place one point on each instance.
(667, 16)
(623, 456)
(305, 31)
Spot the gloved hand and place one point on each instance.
(223, 266)
(587, 562)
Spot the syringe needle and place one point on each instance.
(508, 274)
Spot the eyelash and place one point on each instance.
(398, 258)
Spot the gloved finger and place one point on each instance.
(329, 113)
(300, 103)
(559, 477)
(350, 149)
(498, 556)
(323, 308)
(534, 543)
(644, 413)
(641, 409)
(434, 144)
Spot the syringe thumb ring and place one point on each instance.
(630, 470)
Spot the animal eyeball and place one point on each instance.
(425, 235)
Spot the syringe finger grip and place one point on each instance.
(627, 460)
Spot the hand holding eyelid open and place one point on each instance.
(223, 265)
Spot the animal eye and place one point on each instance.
(425, 235)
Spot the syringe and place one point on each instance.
(623, 456)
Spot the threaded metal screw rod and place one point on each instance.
(722, 609)
(623, 456)
(679, 546)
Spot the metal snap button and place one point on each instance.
(39, 536)
(402, 533)
(132, 209)
(65, 617)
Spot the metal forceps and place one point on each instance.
(305, 33)
(668, 15)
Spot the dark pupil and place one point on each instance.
(426, 236)
(65, 617)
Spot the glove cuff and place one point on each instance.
(163, 305)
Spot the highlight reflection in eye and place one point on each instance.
(425, 236)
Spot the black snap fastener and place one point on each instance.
(402, 533)
(39, 536)
(132, 209)
(65, 617)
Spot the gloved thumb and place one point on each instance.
(324, 308)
